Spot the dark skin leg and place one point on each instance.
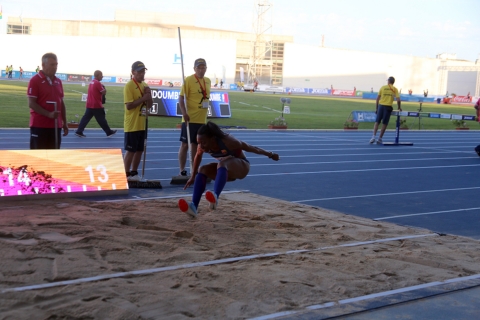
(236, 168)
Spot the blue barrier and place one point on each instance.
(403, 97)
(371, 116)
(435, 115)
(363, 116)
(320, 91)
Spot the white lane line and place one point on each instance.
(369, 296)
(205, 263)
(387, 194)
(359, 170)
(358, 161)
(426, 213)
(164, 197)
(310, 163)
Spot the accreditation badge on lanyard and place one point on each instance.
(143, 109)
(205, 101)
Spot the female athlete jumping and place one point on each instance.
(232, 164)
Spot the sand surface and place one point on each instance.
(46, 242)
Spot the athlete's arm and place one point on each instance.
(196, 165)
(249, 148)
(376, 103)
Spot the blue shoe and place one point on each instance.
(212, 198)
(188, 208)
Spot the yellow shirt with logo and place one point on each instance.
(387, 93)
(195, 98)
(134, 119)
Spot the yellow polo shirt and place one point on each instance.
(133, 118)
(387, 93)
(194, 93)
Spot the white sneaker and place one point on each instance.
(188, 208)
(372, 140)
(212, 198)
(134, 178)
(379, 141)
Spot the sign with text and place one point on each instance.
(165, 103)
(61, 172)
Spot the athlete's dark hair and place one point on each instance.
(211, 130)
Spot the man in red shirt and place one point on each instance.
(43, 89)
(95, 107)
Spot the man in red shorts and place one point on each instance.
(95, 107)
(44, 88)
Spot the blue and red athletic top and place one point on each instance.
(224, 151)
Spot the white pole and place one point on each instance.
(190, 160)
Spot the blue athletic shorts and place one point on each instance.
(193, 132)
(383, 114)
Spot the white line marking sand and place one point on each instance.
(367, 297)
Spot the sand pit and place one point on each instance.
(47, 242)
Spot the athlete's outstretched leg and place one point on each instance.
(220, 181)
(198, 188)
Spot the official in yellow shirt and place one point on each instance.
(138, 99)
(196, 90)
(384, 108)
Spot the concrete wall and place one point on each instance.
(114, 56)
(317, 67)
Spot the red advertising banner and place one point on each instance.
(339, 92)
(155, 82)
(462, 99)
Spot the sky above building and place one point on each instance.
(422, 28)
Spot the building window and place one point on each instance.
(18, 29)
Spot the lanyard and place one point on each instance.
(391, 89)
(204, 91)
(141, 92)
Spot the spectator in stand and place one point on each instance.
(43, 88)
(384, 108)
(21, 73)
(94, 107)
(410, 92)
(425, 93)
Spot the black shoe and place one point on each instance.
(183, 173)
(111, 133)
(81, 135)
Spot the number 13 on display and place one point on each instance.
(102, 173)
